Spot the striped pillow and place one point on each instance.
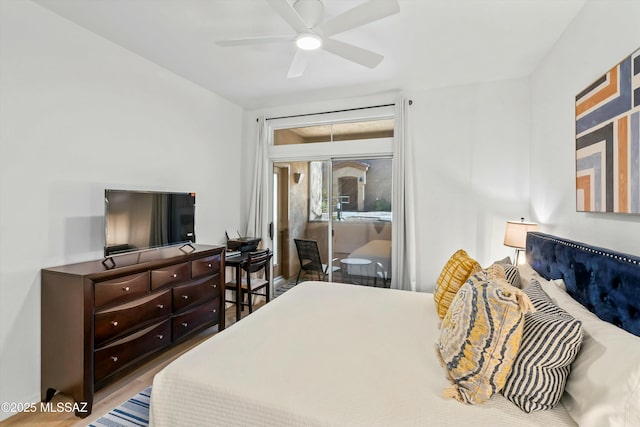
(480, 336)
(512, 275)
(511, 272)
(550, 342)
(540, 300)
(505, 271)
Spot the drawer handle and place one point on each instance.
(185, 324)
(214, 286)
(209, 265)
(114, 323)
(175, 275)
(114, 358)
(160, 336)
(126, 288)
(160, 306)
(213, 311)
(185, 296)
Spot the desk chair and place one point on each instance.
(250, 286)
(309, 257)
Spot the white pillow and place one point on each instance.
(603, 388)
(560, 283)
(527, 273)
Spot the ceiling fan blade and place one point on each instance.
(352, 53)
(358, 16)
(255, 40)
(289, 14)
(299, 63)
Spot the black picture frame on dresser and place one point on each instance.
(99, 322)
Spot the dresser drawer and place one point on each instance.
(117, 355)
(122, 289)
(117, 320)
(205, 266)
(191, 320)
(194, 292)
(171, 274)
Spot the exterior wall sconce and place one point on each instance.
(297, 177)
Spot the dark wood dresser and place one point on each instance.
(101, 319)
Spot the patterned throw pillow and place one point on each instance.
(551, 340)
(494, 271)
(455, 272)
(480, 337)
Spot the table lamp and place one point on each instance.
(515, 235)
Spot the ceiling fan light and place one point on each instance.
(308, 41)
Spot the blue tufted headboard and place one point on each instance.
(604, 281)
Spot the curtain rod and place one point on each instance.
(329, 112)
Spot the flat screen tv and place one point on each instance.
(138, 220)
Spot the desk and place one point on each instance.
(236, 262)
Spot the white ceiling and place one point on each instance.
(430, 43)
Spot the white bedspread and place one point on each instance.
(326, 354)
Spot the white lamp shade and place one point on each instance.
(516, 233)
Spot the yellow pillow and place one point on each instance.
(455, 272)
(480, 337)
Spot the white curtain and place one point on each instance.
(257, 225)
(403, 253)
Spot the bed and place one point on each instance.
(328, 354)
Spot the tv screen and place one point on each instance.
(137, 220)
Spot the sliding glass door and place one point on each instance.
(361, 220)
(342, 207)
(331, 205)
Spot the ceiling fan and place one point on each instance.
(306, 18)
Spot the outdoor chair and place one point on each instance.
(310, 261)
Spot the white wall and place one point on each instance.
(79, 114)
(471, 155)
(471, 150)
(601, 35)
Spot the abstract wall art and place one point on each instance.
(608, 141)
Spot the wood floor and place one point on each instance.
(114, 394)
